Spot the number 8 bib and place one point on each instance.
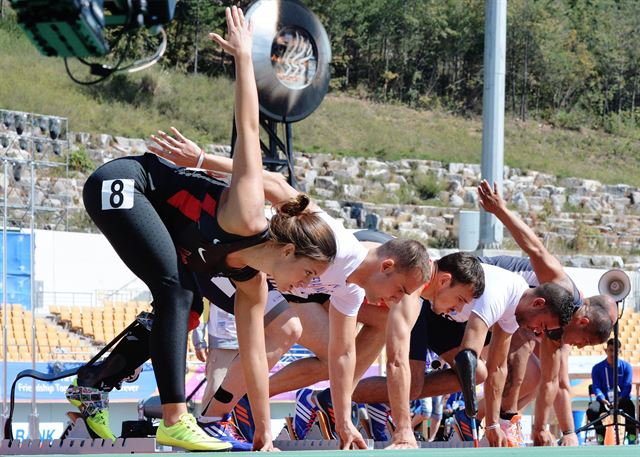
(117, 194)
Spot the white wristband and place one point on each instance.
(492, 426)
(200, 159)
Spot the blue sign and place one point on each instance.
(18, 268)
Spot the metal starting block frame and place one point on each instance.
(76, 446)
(77, 440)
(333, 445)
(88, 446)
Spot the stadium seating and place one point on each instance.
(52, 342)
(75, 333)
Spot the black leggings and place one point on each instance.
(144, 244)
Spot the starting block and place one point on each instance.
(307, 445)
(78, 446)
(76, 439)
(77, 427)
(334, 445)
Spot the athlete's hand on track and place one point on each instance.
(543, 438)
(264, 443)
(239, 34)
(569, 440)
(496, 437)
(403, 439)
(177, 148)
(490, 199)
(350, 438)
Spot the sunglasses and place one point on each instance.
(554, 334)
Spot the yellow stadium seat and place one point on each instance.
(65, 315)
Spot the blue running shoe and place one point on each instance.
(327, 417)
(325, 411)
(462, 425)
(244, 419)
(306, 413)
(224, 430)
(378, 421)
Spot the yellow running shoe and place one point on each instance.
(94, 406)
(99, 424)
(187, 435)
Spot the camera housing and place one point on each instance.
(75, 28)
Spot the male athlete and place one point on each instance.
(590, 324)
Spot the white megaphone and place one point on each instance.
(616, 284)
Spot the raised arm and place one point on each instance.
(243, 211)
(547, 267)
(185, 153)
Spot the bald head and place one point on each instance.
(592, 323)
(602, 312)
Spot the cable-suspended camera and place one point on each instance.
(76, 28)
(291, 56)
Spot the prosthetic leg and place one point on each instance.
(466, 362)
(89, 392)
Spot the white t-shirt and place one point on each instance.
(502, 293)
(345, 297)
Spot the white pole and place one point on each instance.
(34, 426)
(495, 49)
(5, 305)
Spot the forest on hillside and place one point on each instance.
(573, 63)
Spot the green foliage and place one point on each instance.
(428, 186)
(587, 239)
(569, 208)
(572, 120)
(79, 160)
(623, 124)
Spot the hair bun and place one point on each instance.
(294, 206)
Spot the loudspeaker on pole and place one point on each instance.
(616, 284)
